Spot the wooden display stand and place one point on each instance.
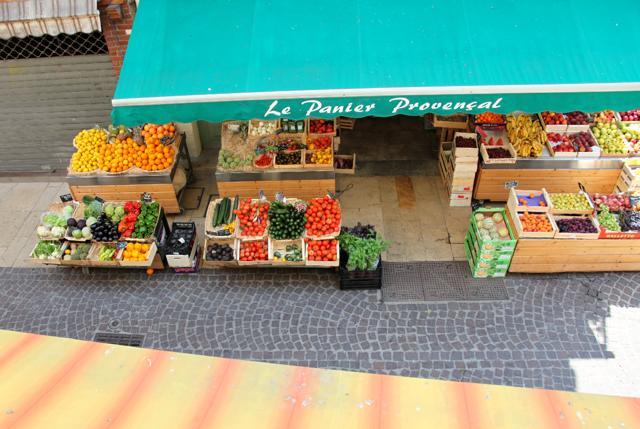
(494, 183)
(129, 187)
(557, 255)
(303, 188)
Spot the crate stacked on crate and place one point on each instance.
(446, 126)
(458, 168)
(629, 180)
(490, 243)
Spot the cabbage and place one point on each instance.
(67, 211)
(43, 231)
(58, 231)
(86, 232)
(91, 220)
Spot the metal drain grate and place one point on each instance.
(133, 340)
(437, 281)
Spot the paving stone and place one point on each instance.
(537, 338)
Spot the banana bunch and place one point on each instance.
(526, 135)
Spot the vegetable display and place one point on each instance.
(343, 163)
(320, 143)
(47, 250)
(104, 229)
(128, 223)
(320, 157)
(136, 252)
(363, 253)
(92, 207)
(323, 217)
(77, 251)
(321, 126)
(322, 250)
(227, 160)
(289, 143)
(219, 252)
(290, 253)
(107, 252)
(608, 220)
(115, 212)
(289, 158)
(252, 218)
(286, 221)
(263, 161)
(254, 250)
(146, 222)
(360, 231)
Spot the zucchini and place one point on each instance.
(236, 201)
(225, 209)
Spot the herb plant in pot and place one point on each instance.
(361, 266)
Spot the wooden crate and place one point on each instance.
(346, 123)
(321, 263)
(75, 262)
(57, 261)
(516, 207)
(164, 193)
(558, 211)
(469, 152)
(578, 235)
(351, 170)
(552, 128)
(254, 124)
(93, 256)
(290, 166)
(457, 122)
(238, 230)
(460, 199)
(280, 245)
(445, 134)
(487, 160)
(303, 189)
(493, 184)
(205, 263)
(520, 233)
(262, 262)
(141, 264)
(308, 165)
(308, 122)
(209, 230)
(563, 255)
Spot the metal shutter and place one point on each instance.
(44, 102)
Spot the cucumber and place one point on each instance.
(225, 209)
(236, 201)
(214, 219)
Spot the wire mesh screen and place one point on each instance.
(62, 45)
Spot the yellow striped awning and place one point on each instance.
(48, 382)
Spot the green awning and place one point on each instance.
(240, 59)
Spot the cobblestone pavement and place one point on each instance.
(570, 332)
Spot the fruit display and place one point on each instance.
(262, 128)
(77, 252)
(47, 250)
(490, 118)
(461, 141)
(287, 220)
(323, 217)
(219, 252)
(253, 251)
(322, 250)
(224, 216)
(630, 220)
(553, 118)
(535, 222)
(526, 135)
(632, 135)
(288, 253)
(576, 225)
(570, 202)
(263, 161)
(90, 145)
(614, 202)
(610, 138)
(608, 220)
(498, 153)
(252, 218)
(227, 160)
(560, 142)
(155, 134)
(118, 133)
(290, 143)
(319, 142)
(491, 137)
(146, 221)
(491, 226)
(320, 157)
(630, 116)
(289, 158)
(291, 126)
(583, 141)
(533, 199)
(104, 230)
(604, 117)
(321, 126)
(136, 252)
(127, 225)
(107, 252)
(577, 118)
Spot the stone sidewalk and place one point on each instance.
(567, 332)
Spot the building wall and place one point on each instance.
(116, 17)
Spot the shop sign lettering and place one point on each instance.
(393, 106)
